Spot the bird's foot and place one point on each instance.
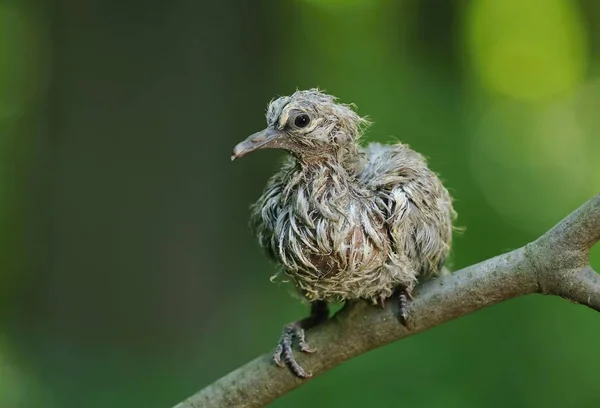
(284, 356)
(403, 297)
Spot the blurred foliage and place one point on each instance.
(129, 276)
(529, 50)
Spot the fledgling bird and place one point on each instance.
(343, 221)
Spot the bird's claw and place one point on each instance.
(277, 356)
(284, 355)
(403, 298)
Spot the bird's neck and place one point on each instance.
(319, 167)
(324, 181)
(344, 161)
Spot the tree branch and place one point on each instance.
(555, 264)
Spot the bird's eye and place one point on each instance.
(302, 120)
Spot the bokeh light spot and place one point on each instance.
(586, 108)
(527, 49)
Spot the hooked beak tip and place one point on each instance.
(254, 142)
(239, 151)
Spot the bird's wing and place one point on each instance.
(416, 206)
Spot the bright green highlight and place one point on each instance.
(527, 49)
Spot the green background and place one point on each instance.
(128, 274)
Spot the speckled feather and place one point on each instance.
(346, 222)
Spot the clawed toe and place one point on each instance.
(304, 347)
(403, 298)
(284, 356)
(277, 355)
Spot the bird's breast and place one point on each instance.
(328, 236)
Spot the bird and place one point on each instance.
(344, 222)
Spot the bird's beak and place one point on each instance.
(256, 141)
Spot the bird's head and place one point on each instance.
(310, 125)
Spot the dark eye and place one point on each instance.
(302, 120)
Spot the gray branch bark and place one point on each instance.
(555, 264)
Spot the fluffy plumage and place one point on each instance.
(351, 222)
(344, 222)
